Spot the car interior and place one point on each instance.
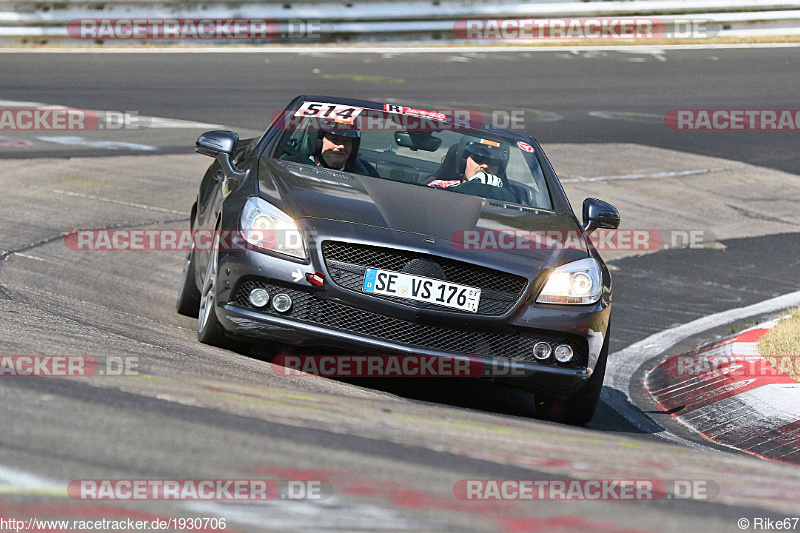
(389, 162)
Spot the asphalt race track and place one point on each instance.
(390, 451)
(226, 88)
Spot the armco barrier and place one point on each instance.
(40, 22)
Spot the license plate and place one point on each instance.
(422, 289)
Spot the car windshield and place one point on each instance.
(415, 149)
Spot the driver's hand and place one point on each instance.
(487, 179)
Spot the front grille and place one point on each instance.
(310, 309)
(347, 264)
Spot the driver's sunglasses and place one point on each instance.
(483, 160)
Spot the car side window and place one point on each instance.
(295, 147)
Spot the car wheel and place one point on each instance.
(579, 408)
(209, 330)
(188, 302)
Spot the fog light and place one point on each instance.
(282, 302)
(563, 353)
(259, 297)
(541, 351)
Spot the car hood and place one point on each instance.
(464, 220)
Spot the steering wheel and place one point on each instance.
(476, 188)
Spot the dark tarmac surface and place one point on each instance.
(391, 451)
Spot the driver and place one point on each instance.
(485, 162)
(335, 146)
(337, 149)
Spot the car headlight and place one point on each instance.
(574, 283)
(267, 227)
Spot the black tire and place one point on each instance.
(579, 408)
(188, 302)
(209, 330)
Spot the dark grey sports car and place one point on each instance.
(384, 229)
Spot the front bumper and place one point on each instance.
(334, 316)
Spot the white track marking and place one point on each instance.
(654, 174)
(110, 200)
(174, 123)
(624, 363)
(629, 116)
(18, 103)
(25, 480)
(72, 140)
(26, 256)
(152, 122)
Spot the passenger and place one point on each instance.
(482, 161)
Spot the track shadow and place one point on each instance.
(467, 393)
(609, 415)
(477, 394)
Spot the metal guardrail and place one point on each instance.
(39, 22)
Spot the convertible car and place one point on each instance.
(385, 229)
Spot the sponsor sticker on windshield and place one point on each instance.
(392, 108)
(525, 147)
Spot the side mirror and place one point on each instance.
(218, 144)
(599, 214)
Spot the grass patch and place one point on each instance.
(737, 329)
(781, 346)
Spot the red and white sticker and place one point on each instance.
(8, 141)
(339, 113)
(392, 108)
(316, 279)
(525, 147)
